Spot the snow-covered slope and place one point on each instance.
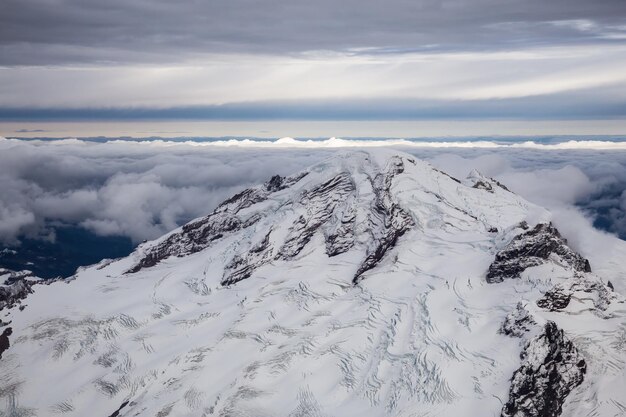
(368, 285)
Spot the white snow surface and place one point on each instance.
(417, 336)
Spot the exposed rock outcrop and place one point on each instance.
(4, 340)
(533, 248)
(389, 221)
(518, 322)
(15, 287)
(328, 208)
(241, 267)
(559, 297)
(340, 239)
(198, 235)
(482, 182)
(551, 368)
(14, 293)
(321, 204)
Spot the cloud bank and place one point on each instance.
(120, 188)
(144, 189)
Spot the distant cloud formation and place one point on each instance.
(122, 189)
(312, 60)
(143, 190)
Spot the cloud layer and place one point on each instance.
(143, 190)
(122, 189)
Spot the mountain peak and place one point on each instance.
(358, 286)
(350, 199)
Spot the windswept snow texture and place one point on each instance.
(357, 287)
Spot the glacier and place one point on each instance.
(370, 284)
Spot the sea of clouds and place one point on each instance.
(144, 189)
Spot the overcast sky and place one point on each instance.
(324, 59)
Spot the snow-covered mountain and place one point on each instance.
(369, 285)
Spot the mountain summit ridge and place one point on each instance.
(369, 284)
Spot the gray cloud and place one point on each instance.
(123, 189)
(579, 187)
(39, 32)
(143, 191)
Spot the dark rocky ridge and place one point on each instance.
(551, 368)
(4, 340)
(554, 299)
(518, 322)
(551, 364)
(11, 295)
(388, 219)
(559, 297)
(341, 239)
(240, 268)
(329, 208)
(483, 185)
(18, 285)
(117, 412)
(533, 248)
(15, 288)
(321, 204)
(198, 235)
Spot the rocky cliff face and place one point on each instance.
(15, 287)
(532, 248)
(551, 368)
(358, 287)
(328, 208)
(225, 219)
(598, 294)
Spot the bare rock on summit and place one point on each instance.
(328, 207)
(389, 221)
(531, 248)
(225, 219)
